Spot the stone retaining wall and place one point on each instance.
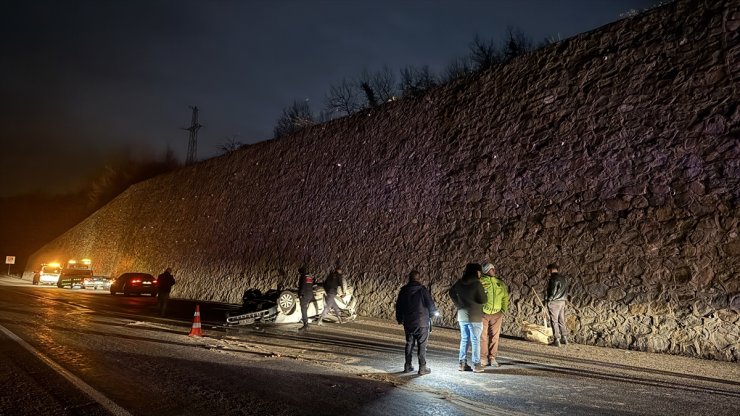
(614, 153)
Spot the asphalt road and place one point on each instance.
(85, 352)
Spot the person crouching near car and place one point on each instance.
(414, 308)
(469, 296)
(165, 281)
(305, 294)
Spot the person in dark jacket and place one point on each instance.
(165, 281)
(414, 308)
(469, 297)
(332, 285)
(305, 294)
(557, 294)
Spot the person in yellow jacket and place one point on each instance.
(497, 303)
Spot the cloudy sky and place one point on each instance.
(81, 81)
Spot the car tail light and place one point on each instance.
(135, 280)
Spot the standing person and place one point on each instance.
(305, 294)
(557, 293)
(414, 308)
(332, 285)
(497, 303)
(165, 281)
(469, 296)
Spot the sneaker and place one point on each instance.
(424, 370)
(464, 366)
(407, 368)
(556, 343)
(493, 363)
(564, 341)
(303, 328)
(477, 368)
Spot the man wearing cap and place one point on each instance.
(497, 303)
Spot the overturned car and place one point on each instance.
(281, 306)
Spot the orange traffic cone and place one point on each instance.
(196, 331)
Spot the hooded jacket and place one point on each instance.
(468, 296)
(497, 296)
(414, 306)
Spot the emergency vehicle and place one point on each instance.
(48, 274)
(75, 273)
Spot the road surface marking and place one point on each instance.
(86, 388)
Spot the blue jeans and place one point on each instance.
(470, 334)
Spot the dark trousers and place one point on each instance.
(557, 318)
(305, 301)
(420, 337)
(162, 300)
(330, 302)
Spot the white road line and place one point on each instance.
(86, 388)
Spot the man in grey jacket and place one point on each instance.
(557, 293)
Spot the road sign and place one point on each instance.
(9, 260)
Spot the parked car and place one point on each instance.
(282, 306)
(97, 282)
(134, 283)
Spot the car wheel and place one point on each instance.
(286, 302)
(125, 291)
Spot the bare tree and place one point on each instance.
(381, 84)
(124, 170)
(516, 43)
(457, 68)
(325, 116)
(370, 98)
(343, 98)
(483, 54)
(230, 145)
(414, 81)
(550, 40)
(293, 119)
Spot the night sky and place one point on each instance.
(83, 81)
